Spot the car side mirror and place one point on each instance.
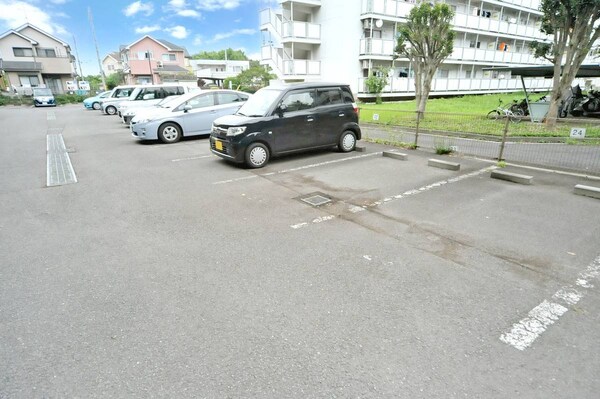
(149, 96)
(187, 108)
(281, 109)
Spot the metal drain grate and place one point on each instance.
(316, 200)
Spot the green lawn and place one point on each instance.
(467, 114)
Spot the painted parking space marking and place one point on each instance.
(528, 329)
(59, 169)
(314, 165)
(191, 158)
(356, 208)
(50, 116)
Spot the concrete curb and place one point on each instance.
(438, 163)
(587, 191)
(395, 155)
(512, 177)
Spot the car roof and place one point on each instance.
(194, 93)
(305, 85)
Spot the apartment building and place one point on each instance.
(341, 40)
(216, 71)
(30, 57)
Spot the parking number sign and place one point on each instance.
(375, 117)
(577, 133)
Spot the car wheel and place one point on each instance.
(96, 106)
(257, 155)
(347, 141)
(111, 110)
(169, 133)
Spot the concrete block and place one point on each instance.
(360, 148)
(588, 191)
(395, 155)
(438, 163)
(513, 177)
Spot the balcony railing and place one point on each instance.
(401, 8)
(407, 85)
(301, 30)
(385, 47)
(377, 47)
(301, 67)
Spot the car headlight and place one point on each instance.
(143, 120)
(234, 131)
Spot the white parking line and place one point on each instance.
(50, 116)
(297, 169)
(527, 330)
(191, 158)
(355, 208)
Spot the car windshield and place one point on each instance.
(42, 92)
(259, 103)
(167, 102)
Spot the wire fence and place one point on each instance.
(572, 145)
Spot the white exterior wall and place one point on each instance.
(488, 34)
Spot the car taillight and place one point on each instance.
(356, 110)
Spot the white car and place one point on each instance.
(127, 114)
(191, 114)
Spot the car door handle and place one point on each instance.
(310, 119)
(213, 112)
(342, 114)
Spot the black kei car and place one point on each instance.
(278, 120)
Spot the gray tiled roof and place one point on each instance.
(171, 68)
(173, 46)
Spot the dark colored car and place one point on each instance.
(279, 120)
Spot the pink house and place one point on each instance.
(154, 61)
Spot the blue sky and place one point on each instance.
(198, 25)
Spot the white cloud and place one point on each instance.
(198, 40)
(138, 6)
(221, 36)
(178, 3)
(58, 1)
(188, 13)
(212, 5)
(178, 32)
(22, 12)
(146, 29)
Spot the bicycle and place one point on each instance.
(501, 113)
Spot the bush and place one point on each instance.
(68, 98)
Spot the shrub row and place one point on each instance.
(24, 100)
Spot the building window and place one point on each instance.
(111, 67)
(46, 52)
(474, 44)
(169, 57)
(142, 80)
(29, 80)
(22, 52)
(443, 73)
(144, 55)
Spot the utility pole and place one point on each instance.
(150, 65)
(78, 59)
(96, 44)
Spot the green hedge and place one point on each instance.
(28, 100)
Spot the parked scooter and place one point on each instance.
(592, 102)
(572, 104)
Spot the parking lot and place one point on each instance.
(164, 271)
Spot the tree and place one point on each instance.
(114, 79)
(377, 82)
(232, 55)
(251, 79)
(426, 39)
(574, 26)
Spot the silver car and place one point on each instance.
(191, 114)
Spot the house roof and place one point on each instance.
(166, 44)
(115, 55)
(171, 68)
(547, 71)
(28, 25)
(14, 32)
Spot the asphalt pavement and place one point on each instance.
(163, 271)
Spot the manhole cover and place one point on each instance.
(316, 199)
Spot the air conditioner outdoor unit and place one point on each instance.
(159, 64)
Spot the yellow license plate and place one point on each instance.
(218, 145)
